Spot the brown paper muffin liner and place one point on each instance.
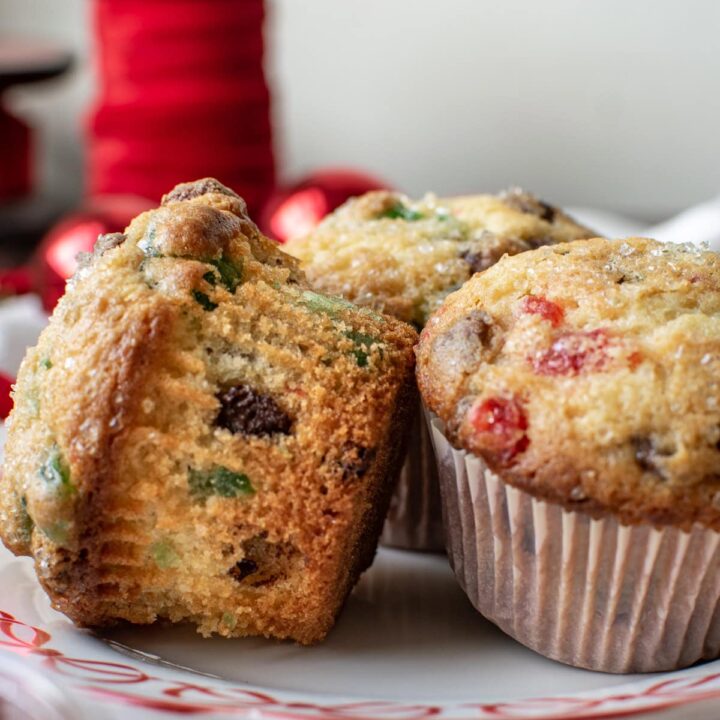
(588, 592)
(414, 521)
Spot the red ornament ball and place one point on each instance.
(15, 281)
(55, 260)
(6, 403)
(294, 211)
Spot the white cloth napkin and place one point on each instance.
(21, 320)
(699, 225)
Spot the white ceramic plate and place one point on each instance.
(408, 646)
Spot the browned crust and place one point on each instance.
(389, 463)
(372, 505)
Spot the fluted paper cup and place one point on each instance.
(588, 592)
(414, 521)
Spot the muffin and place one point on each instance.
(201, 437)
(386, 252)
(574, 401)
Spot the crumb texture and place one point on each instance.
(200, 436)
(587, 374)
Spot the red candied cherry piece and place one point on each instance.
(572, 353)
(547, 309)
(634, 359)
(15, 281)
(501, 423)
(6, 403)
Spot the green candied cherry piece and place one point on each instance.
(46, 363)
(56, 474)
(400, 211)
(324, 303)
(230, 274)
(202, 299)
(164, 554)
(362, 342)
(230, 277)
(332, 305)
(220, 481)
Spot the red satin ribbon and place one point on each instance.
(182, 95)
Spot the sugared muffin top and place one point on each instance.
(403, 257)
(588, 374)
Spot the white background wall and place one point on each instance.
(613, 103)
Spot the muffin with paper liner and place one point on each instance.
(401, 256)
(573, 395)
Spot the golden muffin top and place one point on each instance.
(385, 251)
(588, 373)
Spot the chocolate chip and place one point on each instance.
(644, 455)
(649, 456)
(242, 410)
(467, 339)
(478, 325)
(477, 261)
(108, 242)
(356, 461)
(548, 211)
(102, 245)
(527, 203)
(536, 242)
(482, 259)
(242, 569)
(265, 562)
(190, 190)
